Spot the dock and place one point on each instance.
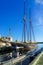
(38, 60)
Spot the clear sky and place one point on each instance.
(11, 16)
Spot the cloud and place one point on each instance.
(40, 21)
(39, 1)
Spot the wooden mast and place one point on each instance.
(24, 19)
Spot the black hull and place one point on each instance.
(5, 50)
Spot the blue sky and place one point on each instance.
(11, 16)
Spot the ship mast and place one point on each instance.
(30, 24)
(31, 27)
(24, 19)
(9, 32)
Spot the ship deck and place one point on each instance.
(14, 61)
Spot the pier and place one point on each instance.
(38, 60)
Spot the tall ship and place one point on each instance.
(25, 47)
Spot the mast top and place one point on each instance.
(24, 0)
(24, 11)
(30, 13)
